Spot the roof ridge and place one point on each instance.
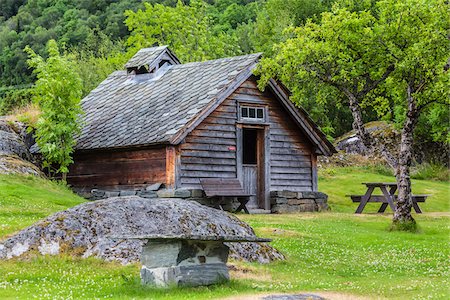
(230, 58)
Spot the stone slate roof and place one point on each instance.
(145, 56)
(131, 110)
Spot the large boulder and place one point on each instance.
(86, 230)
(15, 156)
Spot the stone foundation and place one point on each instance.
(281, 201)
(294, 202)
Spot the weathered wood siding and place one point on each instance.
(290, 150)
(209, 150)
(116, 169)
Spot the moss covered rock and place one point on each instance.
(88, 230)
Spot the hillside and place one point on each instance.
(26, 199)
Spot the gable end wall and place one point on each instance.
(209, 150)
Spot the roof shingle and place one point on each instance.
(130, 110)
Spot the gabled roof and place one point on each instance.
(133, 110)
(148, 56)
(138, 110)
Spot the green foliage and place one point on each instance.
(34, 22)
(185, 28)
(413, 35)
(382, 170)
(58, 93)
(14, 98)
(350, 51)
(338, 51)
(97, 58)
(431, 171)
(277, 15)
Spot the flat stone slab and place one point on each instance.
(205, 238)
(293, 297)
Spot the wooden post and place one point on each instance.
(267, 168)
(172, 161)
(239, 153)
(314, 172)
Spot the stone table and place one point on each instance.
(186, 260)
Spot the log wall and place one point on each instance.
(118, 169)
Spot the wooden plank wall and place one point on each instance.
(116, 169)
(290, 150)
(206, 152)
(210, 149)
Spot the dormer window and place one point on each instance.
(150, 60)
(252, 113)
(141, 70)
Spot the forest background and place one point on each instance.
(101, 35)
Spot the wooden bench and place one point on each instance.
(382, 199)
(226, 189)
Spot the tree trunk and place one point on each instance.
(364, 136)
(358, 124)
(64, 176)
(402, 212)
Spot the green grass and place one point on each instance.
(339, 182)
(26, 199)
(333, 251)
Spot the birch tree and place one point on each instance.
(395, 52)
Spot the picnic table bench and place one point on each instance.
(226, 189)
(387, 198)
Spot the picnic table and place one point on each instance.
(388, 197)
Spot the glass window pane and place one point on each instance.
(251, 112)
(244, 112)
(259, 113)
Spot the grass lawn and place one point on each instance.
(333, 251)
(26, 199)
(338, 182)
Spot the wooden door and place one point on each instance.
(253, 163)
(250, 182)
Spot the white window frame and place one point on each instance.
(252, 119)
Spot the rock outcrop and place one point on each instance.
(15, 156)
(382, 132)
(86, 230)
(385, 133)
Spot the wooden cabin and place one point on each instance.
(160, 121)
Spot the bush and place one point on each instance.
(13, 99)
(431, 171)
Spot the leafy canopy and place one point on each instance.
(185, 28)
(370, 54)
(57, 91)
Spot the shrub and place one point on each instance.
(431, 171)
(13, 99)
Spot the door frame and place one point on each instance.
(263, 160)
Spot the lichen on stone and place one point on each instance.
(95, 229)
